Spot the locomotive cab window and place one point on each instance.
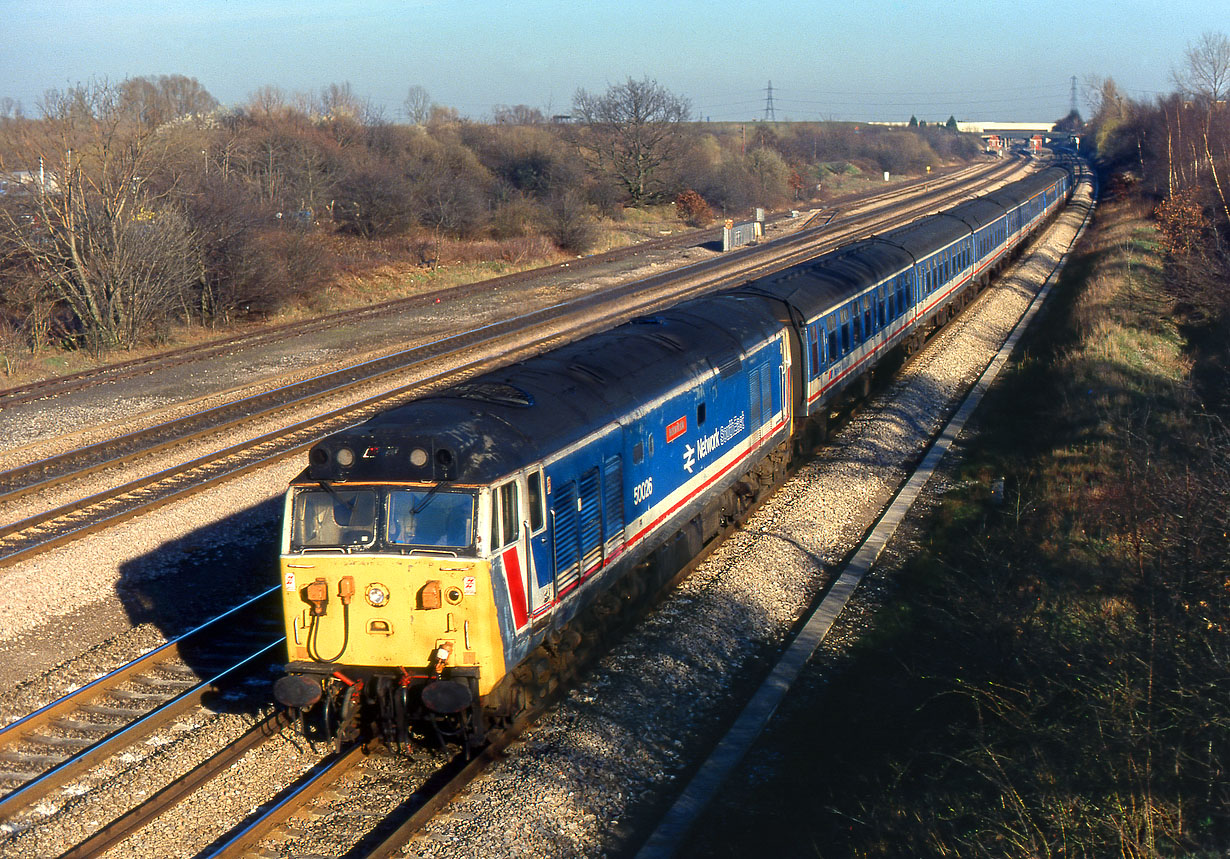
(429, 518)
(334, 518)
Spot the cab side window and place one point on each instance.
(505, 524)
(536, 501)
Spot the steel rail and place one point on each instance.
(138, 817)
(300, 794)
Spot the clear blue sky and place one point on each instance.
(872, 60)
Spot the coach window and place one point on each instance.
(537, 503)
(813, 338)
(868, 321)
(831, 324)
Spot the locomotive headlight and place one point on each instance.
(344, 457)
(418, 457)
(377, 595)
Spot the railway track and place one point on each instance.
(507, 340)
(57, 744)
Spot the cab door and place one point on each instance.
(507, 549)
(519, 538)
(541, 577)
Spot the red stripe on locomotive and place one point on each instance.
(516, 588)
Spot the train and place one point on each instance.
(444, 561)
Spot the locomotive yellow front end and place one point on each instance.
(389, 612)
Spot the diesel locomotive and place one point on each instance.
(435, 557)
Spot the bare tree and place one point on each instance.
(417, 105)
(1207, 79)
(10, 108)
(110, 246)
(518, 114)
(267, 101)
(634, 131)
(341, 100)
(155, 100)
(1207, 75)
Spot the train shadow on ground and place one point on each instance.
(199, 576)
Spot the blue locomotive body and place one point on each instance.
(667, 413)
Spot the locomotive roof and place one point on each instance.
(482, 429)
